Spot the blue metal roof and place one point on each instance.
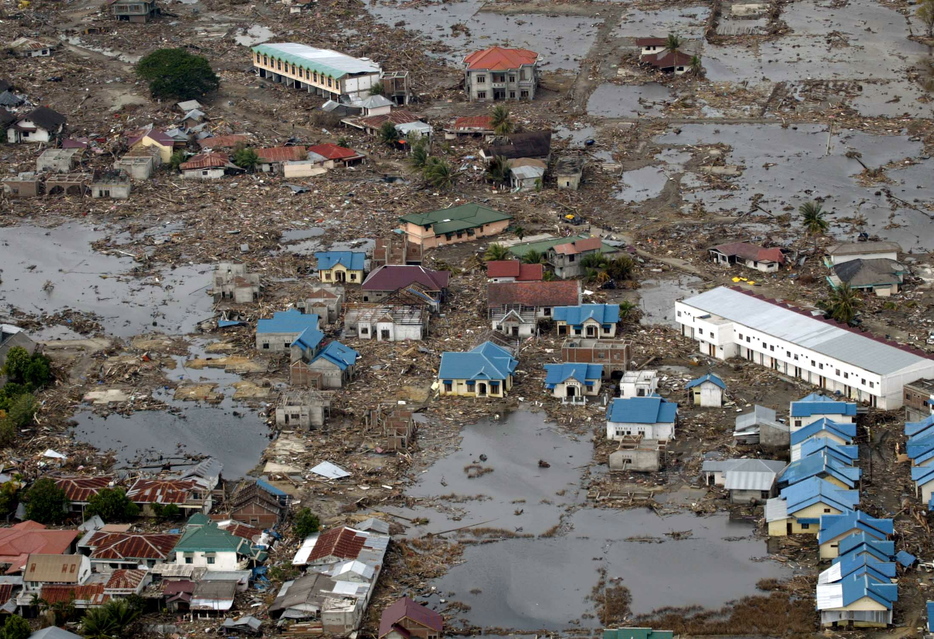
(819, 465)
(642, 410)
(914, 429)
(341, 356)
(290, 321)
(833, 526)
(272, 490)
(309, 339)
(860, 543)
(930, 607)
(816, 490)
(583, 373)
(842, 453)
(605, 314)
(856, 588)
(485, 362)
(817, 404)
(905, 558)
(866, 565)
(846, 432)
(922, 475)
(709, 377)
(919, 446)
(350, 260)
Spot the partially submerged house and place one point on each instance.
(341, 266)
(762, 427)
(638, 383)
(235, 283)
(747, 480)
(654, 53)
(767, 260)
(286, 328)
(484, 371)
(324, 72)
(706, 391)
(406, 619)
(453, 225)
(302, 409)
(386, 323)
(650, 417)
(883, 277)
(638, 455)
(612, 355)
(573, 383)
(798, 509)
(587, 320)
(41, 125)
(513, 271)
(498, 73)
(516, 307)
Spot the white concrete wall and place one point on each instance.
(617, 430)
(222, 560)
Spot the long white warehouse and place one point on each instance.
(727, 322)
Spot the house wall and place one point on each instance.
(748, 496)
(357, 86)
(857, 618)
(165, 151)
(579, 390)
(390, 332)
(39, 135)
(830, 549)
(515, 84)
(136, 167)
(203, 174)
(302, 169)
(765, 267)
(707, 395)
(618, 430)
(591, 328)
(331, 375)
(275, 342)
(515, 328)
(222, 560)
(414, 630)
(461, 388)
(255, 515)
(771, 437)
(924, 492)
(341, 274)
(115, 191)
(571, 182)
(796, 448)
(814, 511)
(723, 339)
(797, 423)
(640, 461)
(427, 238)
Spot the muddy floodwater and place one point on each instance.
(542, 578)
(50, 270)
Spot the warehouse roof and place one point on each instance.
(326, 61)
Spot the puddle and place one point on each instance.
(173, 301)
(254, 35)
(892, 99)
(628, 101)
(657, 297)
(300, 234)
(577, 136)
(642, 184)
(543, 583)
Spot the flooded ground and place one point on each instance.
(642, 184)
(657, 297)
(49, 270)
(542, 579)
(628, 101)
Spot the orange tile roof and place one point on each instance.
(498, 58)
(131, 545)
(205, 161)
(334, 152)
(579, 246)
(30, 537)
(282, 154)
(480, 122)
(93, 594)
(125, 579)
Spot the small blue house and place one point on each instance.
(587, 320)
(834, 528)
(706, 391)
(820, 465)
(798, 508)
(857, 600)
(816, 406)
(278, 334)
(330, 367)
(838, 432)
(649, 417)
(341, 266)
(484, 371)
(860, 543)
(573, 382)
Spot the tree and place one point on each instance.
(501, 120)
(438, 173)
(342, 141)
(534, 257)
(246, 158)
(497, 171)
(378, 89)
(177, 74)
(8, 497)
(177, 159)
(696, 67)
(22, 410)
(388, 134)
(15, 627)
(166, 511)
(628, 311)
(110, 621)
(812, 218)
(842, 304)
(306, 523)
(496, 252)
(621, 268)
(595, 261)
(672, 43)
(46, 503)
(926, 16)
(34, 371)
(112, 504)
(518, 231)
(419, 156)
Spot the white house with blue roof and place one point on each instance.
(857, 600)
(838, 432)
(573, 382)
(587, 320)
(816, 406)
(484, 371)
(835, 528)
(798, 508)
(330, 367)
(648, 417)
(285, 328)
(706, 391)
(339, 267)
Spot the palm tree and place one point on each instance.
(388, 134)
(497, 171)
(534, 257)
(518, 231)
(496, 252)
(628, 310)
(438, 173)
(621, 268)
(419, 155)
(673, 43)
(696, 67)
(501, 120)
(812, 217)
(842, 304)
(595, 261)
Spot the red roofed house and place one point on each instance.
(115, 550)
(516, 307)
(405, 618)
(514, 271)
(654, 52)
(471, 125)
(272, 159)
(767, 260)
(205, 166)
(650, 46)
(420, 281)
(30, 537)
(190, 495)
(333, 155)
(565, 258)
(500, 74)
(79, 490)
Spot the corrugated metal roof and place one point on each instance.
(81, 489)
(485, 362)
(290, 321)
(131, 546)
(820, 336)
(162, 491)
(330, 63)
(577, 315)
(709, 377)
(352, 260)
(642, 410)
(582, 373)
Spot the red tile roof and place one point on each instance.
(514, 268)
(651, 42)
(579, 246)
(282, 154)
(748, 251)
(30, 537)
(223, 141)
(669, 59)
(131, 545)
(498, 58)
(6, 591)
(161, 491)
(93, 594)
(82, 489)
(343, 543)
(334, 152)
(126, 579)
(475, 122)
(205, 161)
(154, 134)
(392, 277)
(534, 294)
(405, 608)
(399, 116)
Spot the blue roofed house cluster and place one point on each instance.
(483, 371)
(286, 328)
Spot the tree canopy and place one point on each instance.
(112, 504)
(33, 371)
(15, 627)
(46, 502)
(178, 74)
(306, 523)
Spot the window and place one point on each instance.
(188, 560)
(797, 423)
(266, 346)
(315, 76)
(820, 366)
(481, 95)
(772, 348)
(826, 510)
(741, 336)
(872, 384)
(448, 386)
(813, 363)
(210, 561)
(481, 79)
(524, 94)
(512, 95)
(787, 353)
(838, 372)
(796, 357)
(364, 331)
(805, 526)
(846, 376)
(700, 331)
(679, 313)
(863, 382)
(748, 340)
(279, 64)
(546, 311)
(512, 77)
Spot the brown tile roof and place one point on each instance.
(474, 122)
(243, 531)
(321, 294)
(392, 277)
(334, 152)
(282, 154)
(162, 491)
(223, 141)
(399, 116)
(205, 161)
(514, 268)
(126, 579)
(534, 294)
(343, 543)
(81, 489)
(53, 568)
(651, 42)
(132, 545)
(6, 591)
(669, 59)
(533, 144)
(579, 246)
(405, 608)
(92, 594)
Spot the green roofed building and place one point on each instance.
(323, 72)
(206, 545)
(637, 633)
(457, 224)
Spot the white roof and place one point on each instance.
(329, 470)
(334, 59)
(808, 332)
(776, 509)
(418, 127)
(374, 102)
(528, 172)
(829, 576)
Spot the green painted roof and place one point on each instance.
(198, 519)
(519, 250)
(456, 218)
(637, 633)
(209, 538)
(324, 61)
